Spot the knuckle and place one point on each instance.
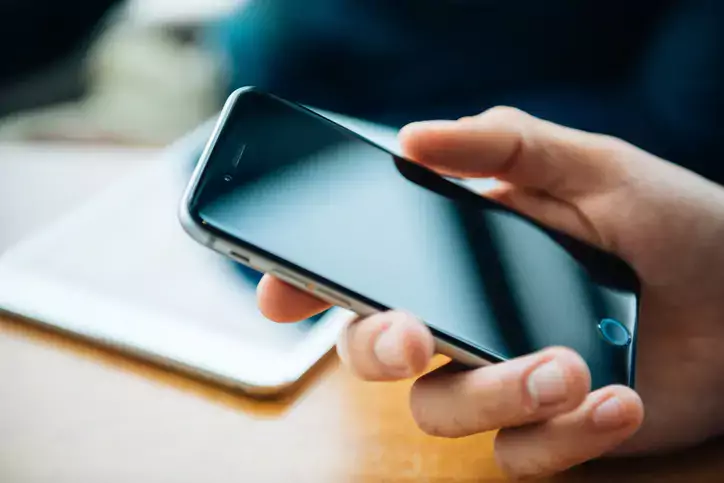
(612, 143)
(504, 400)
(618, 154)
(507, 404)
(505, 113)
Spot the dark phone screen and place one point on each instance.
(312, 195)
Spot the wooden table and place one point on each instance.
(72, 412)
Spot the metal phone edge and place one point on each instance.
(256, 261)
(187, 222)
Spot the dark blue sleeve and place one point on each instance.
(680, 88)
(671, 104)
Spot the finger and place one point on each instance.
(524, 390)
(551, 212)
(281, 302)
(513, 146)
(607, 418)
(386, 346)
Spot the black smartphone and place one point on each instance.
(287, 191)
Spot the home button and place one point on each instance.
(614, 332)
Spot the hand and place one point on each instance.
(668, 223)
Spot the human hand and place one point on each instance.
(668, 223)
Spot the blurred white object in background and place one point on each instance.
(39, 182)
(180, 12)
(147, 87)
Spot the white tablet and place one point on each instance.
(121, 271)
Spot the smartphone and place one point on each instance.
(287, 191)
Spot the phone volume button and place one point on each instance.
(332, 297)
(243, 259)
(288, 278)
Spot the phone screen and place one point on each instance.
(320, 199)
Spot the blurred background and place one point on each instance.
(107, 71)
(91, 90)
(109, 82)
(142, 72)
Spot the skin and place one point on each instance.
(668, 223)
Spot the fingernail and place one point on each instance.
(390, 351)
(547, 383)
(609, 414)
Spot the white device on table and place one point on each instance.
(121, 271)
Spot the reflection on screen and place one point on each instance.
(395, 234)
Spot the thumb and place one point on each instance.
(519, 149)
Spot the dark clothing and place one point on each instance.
(42, 43)
(35, 33)
(649, 71)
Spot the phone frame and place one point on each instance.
(455, 347)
